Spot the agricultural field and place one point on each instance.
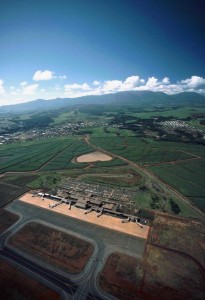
(16, 284)
(174, 163)
(59, 154)
(32, 156)
(47, 155)
(178, 111)
(187, 177)
(18, 180)
(105, 132)
(53, 247)
(64, 153)
(9, 192)
(12, 186)
(7, 219)
(144, 151)
(67, 158)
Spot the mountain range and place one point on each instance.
(136, 98)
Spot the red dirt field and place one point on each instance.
(179, 234)
(7, 219)
(15, 284)
(54, 247)
(160, 275)
(121, 276)
(170, 276)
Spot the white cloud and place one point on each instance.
(132, 82)
(96, 83)
(2, 89)
(46, 75)
(118, 85)
(152, 82)
(165, 80)
(23, 83)
(30, 89)
(112, 86)
(62, 76)
(194, 81)
(108, 86)
(43, 75)
(75, 86)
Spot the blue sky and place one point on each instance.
(70, 48)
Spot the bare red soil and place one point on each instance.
(121, 276)
(170, 276)
(54, 247)
(179, 234)
(161, 274)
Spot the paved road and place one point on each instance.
(58, 280)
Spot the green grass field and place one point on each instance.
(127, 178)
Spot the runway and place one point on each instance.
(105, 241)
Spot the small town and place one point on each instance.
(66, 129)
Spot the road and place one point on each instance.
(75, 287)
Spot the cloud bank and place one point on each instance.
(135, 83)
(45, 89)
